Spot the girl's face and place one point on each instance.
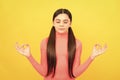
(62, 23)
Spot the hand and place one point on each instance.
(98, 50)
(23, 49)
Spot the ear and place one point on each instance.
(70, 25)
(53, 23)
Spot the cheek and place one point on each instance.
(67, 25)
(56, 25)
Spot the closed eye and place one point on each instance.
(57, 22)
(65, 22)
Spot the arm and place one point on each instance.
(78, 68)
(40, 68)
(25, 50)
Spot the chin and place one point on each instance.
(61, 32)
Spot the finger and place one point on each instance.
(16, 42)
(27, 44)
(105, 46)
(17, 45)
(22, 46)
(98, 47)
(103, 50)
(18, 48)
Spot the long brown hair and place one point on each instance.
(51, 49)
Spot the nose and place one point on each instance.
(61, 24)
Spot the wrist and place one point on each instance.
(28, 56)
(92, 57)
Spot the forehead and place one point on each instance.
(62, 17)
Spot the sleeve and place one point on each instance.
(79, 68)
(40, 68)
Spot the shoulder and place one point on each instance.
(44, 42)
(78, 43)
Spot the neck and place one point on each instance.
(62, 35)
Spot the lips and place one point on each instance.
(61, 28)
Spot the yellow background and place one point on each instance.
(29, 21)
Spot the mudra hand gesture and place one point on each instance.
(98, 50)
(23, 49)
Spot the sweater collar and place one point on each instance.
(61, 35)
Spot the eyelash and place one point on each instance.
(64, 22)
(57, 22)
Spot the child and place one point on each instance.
(61, 51)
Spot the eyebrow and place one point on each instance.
(63, 20)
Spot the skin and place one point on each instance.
(61, 23)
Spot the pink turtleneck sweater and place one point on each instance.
(62, 59)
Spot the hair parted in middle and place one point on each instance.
(51, 48)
